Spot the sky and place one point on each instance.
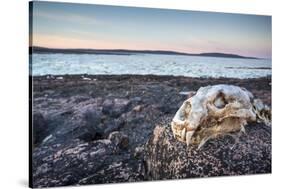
(70, 25)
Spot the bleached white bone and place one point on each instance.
(216, 110)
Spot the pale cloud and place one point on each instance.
(66, 17)
(55, 41)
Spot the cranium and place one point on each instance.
(217, 110)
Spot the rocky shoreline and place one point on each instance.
(98, 129)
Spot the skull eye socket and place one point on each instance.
(220, 101)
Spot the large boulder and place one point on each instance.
(238, 154)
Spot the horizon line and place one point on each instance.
(150, 50)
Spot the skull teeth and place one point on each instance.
(183, 134)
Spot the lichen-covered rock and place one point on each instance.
(121, 169)
(168, 158)
(100, 161)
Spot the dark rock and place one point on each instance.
(90, 126)
(167, 158)
(139, 152)
(110, 126)
(115, 107)
(40, 128)
(166, 108)
(102, 130)
(80, 99)
(120, 106)
(119, 139)
(93, 119)
(65, 113)
(135, 120)
(136, 99)
(107, 106)
(86, 134)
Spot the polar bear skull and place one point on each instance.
(217, 110)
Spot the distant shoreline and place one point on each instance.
(43, 50)
(137, 76)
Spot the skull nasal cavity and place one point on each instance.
(220, 101)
